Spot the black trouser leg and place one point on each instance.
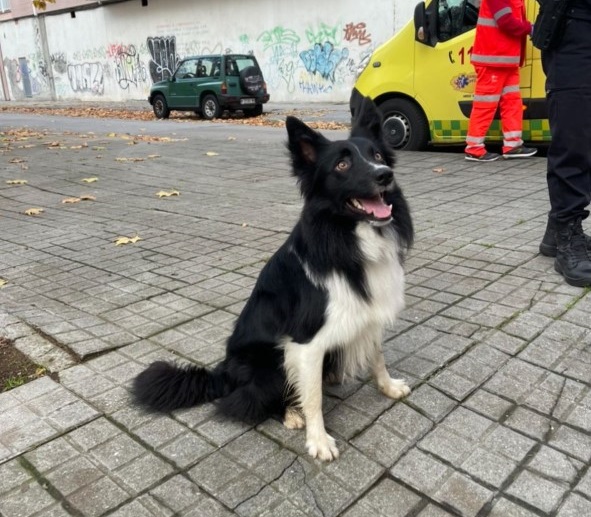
(569, 154)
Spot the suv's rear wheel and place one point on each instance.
(251, 80)
(160, 106)
(210, 107)
(405, 125)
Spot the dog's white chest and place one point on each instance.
(348, 314)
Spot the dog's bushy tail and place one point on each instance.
(164, 386)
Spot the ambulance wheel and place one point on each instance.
(405, 125)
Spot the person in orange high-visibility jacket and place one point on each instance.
(497, 54)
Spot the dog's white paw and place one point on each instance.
(324, 448)
(395, 388)
(294, 419)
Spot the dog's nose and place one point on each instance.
(384, 176)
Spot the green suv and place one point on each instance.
(208, 85)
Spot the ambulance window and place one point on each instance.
(456, 17)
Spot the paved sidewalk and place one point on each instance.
(495, 345)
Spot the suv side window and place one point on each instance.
(456, 17)
(231, 67)
(244, 62)
(216, 67)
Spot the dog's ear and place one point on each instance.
(303, 143)
(367, 121)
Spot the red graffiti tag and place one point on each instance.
(357, 31)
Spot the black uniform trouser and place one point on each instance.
(568, 85)
(569, 154)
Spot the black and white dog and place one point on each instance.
(321, 303)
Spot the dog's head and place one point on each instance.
(349, 178)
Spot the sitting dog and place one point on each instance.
(322, 302)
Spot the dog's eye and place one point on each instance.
(342, 166)
(378, 157)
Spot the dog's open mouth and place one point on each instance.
(373, 207)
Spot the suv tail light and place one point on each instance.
(224, 88)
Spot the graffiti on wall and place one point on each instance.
(27, 76)
(281, 45)
(357, 31)
(86, 78)
(163, 57)
(129, 70)
(314, 59)
(323, 59)
(59, 62)
(323, 32)
(196, 47)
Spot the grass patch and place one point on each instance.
(16, 368)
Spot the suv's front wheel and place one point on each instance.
(210, 107)
(160, 106)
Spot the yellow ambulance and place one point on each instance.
(423, 81)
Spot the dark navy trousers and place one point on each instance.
(568, 85)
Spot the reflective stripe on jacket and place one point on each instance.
(494, 46)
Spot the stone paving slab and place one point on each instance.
(36, 413)
(493, 343)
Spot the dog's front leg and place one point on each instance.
(393, 388)
(303, 364)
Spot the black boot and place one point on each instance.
(573, 258)
(548, 244)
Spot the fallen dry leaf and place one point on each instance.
(87, 197)
(17, 182)
(33, 211)
(438, 170)
(129, 159)
(211, 153)
(164, 193)
(17, 160)
(99, 148)
(3, 282)
(53, 144)
(89, 180)
(179, 117)
(75, 147)
(231, 138)
(153, 156)
(71, 200)
(127, 240)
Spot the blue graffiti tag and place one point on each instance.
(323, 59)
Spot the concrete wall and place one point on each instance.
(22, 43)
(308, 50)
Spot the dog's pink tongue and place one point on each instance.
(376, 207)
